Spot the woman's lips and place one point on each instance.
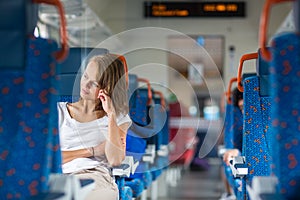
(84, 91)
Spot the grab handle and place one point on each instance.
(263, 27)
(162, 99)
(228, 93)
(149, 89)
(62, 54)
(245, 57)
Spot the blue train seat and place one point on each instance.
(286, 94)
(140, 131)
(32, 131)
(29, 144)
(257, 122)
(232, 134)
(161, 138)
(147, 123)
(228, 122)
(283, 59)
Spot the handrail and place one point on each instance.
(149, 89)
(62, 54)
(228, 93)
(263, 27)
(245, 57)
(162, 99)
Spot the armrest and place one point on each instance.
(122, 170)
(238, 167)
(163, 151)
(264, 188)
(127, 167)
(149, 155)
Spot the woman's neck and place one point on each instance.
(84, 111)
(86, 106)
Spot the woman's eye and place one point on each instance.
(95, 84)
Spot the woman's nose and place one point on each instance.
(88, 84)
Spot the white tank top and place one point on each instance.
(76, 135)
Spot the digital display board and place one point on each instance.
(194, 9)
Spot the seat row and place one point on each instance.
(268, 165)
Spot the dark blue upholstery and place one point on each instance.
(237, 128)
(228, 140)
(137, 186)
(125, 192)
(228, 127)
(284, 68)
(139, 112)
(256, 127)
(160, 114)
(136, 146)
(233, 132)
(29, 146)
(136, 141)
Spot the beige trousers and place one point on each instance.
(105, 185)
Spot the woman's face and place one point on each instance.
(89, 87)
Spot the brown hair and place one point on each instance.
(111, 78)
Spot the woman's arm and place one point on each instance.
(68, 156)
(116, 142)
(98, 150)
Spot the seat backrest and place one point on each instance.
(140, 100)
(285, 112)
(142, 111)
(256, 123)
(237, 128)
(31, 149)
(228, 121)
(283, 57)
(29, 146)
(160, 119)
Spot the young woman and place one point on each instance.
(93, 129)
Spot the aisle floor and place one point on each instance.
(200, 185)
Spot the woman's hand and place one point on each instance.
(99, 150)
(229, 155)
(106, 102)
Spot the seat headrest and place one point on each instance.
(262, 66)
(263, 72)
(77, 57)
(17, 21)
